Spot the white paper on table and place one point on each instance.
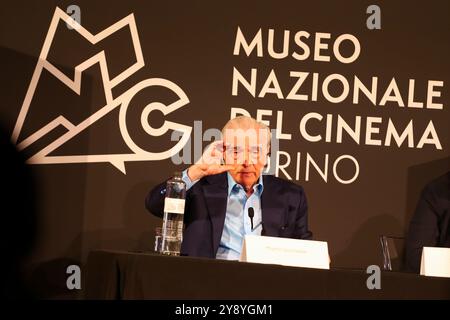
(285, 251)
(435, 262)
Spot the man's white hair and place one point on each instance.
(245, 123)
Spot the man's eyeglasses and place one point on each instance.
(238, 153)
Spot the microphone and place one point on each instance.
(251, 214)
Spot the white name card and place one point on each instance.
(435, 262)
(285, 251)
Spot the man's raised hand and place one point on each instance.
(210, 163)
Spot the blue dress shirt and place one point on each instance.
(237, 222)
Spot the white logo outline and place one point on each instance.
(117, 160)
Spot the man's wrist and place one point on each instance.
(194, 173)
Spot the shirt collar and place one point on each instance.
(258, 187)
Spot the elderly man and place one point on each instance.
(228, 197)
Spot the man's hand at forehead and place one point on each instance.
(210, 162)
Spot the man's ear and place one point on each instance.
(269, 153)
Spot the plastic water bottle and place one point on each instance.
(172, 229)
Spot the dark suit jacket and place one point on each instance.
(283, 204)
(430, 225)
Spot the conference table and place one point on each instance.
(140, 275)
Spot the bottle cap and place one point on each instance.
(178, 174)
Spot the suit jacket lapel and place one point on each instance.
(216, 196)
(273, 206)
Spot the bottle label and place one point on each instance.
(173, 205)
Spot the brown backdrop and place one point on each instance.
(82, 206)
